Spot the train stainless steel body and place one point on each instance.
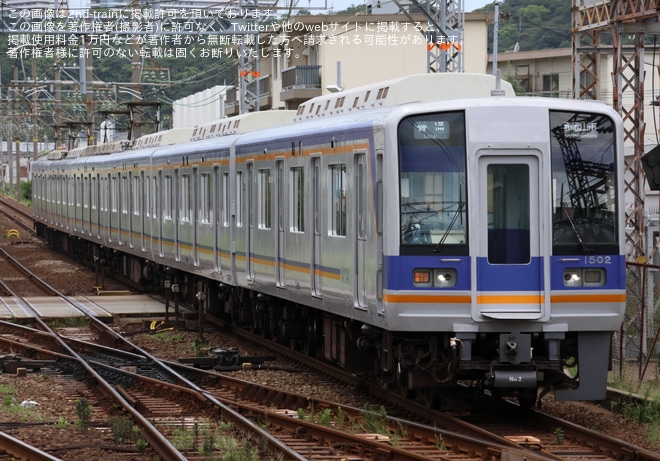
(471, 238)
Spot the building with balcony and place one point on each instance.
(313, 55)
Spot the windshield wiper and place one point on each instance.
(576, 232)
(450, 227)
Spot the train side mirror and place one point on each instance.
(651, 165)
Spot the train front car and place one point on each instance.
(511, 240)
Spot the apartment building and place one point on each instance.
(312, 55)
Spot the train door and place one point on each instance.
(249, 225)
(96, 205)
(70, 197)
(194, 216)
(380, 307)
(316, 226)
(88, 203)
(143, 211)
(160, 210)
(112, 204)
(130, 203)
(121, 208)
(279, 224)
(80, 204)
(217, 205)
(176, 213)
(509, 266)
(359, 207)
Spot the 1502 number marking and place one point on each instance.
(598, 260)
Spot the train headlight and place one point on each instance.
(584, 277)
(572, 277)
(445, 278)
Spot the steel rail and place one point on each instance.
(21, 450)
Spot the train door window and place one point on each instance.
(114, 195)
(103, 196)
(86, 209)
(239, 199)
(125, 194)
(360, 186)
(94, 195)
(265, 199)
(167, 197)
(137, 196)
(297, 199)
(225, 199)
(146, 180)
(337, 207)
(154, 197)
(205, 202)
(508, 213)
(186, 198)
(68, 198)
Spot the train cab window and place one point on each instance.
(584, 197)
(432, 182)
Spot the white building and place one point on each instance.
(199, 108)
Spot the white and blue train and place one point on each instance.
(421, 225)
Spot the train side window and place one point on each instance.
(297, 199)
(338, 200)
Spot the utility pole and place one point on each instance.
(35, 112)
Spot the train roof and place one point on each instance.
(411, 88)
(163, 138)
(242, 124)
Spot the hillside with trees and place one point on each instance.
(528, 26)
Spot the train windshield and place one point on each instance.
(432, 183)
(583, 183)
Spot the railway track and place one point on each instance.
(445, 440)
(18, 214)
(286, 422)
(295, 419)
(502, 421)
